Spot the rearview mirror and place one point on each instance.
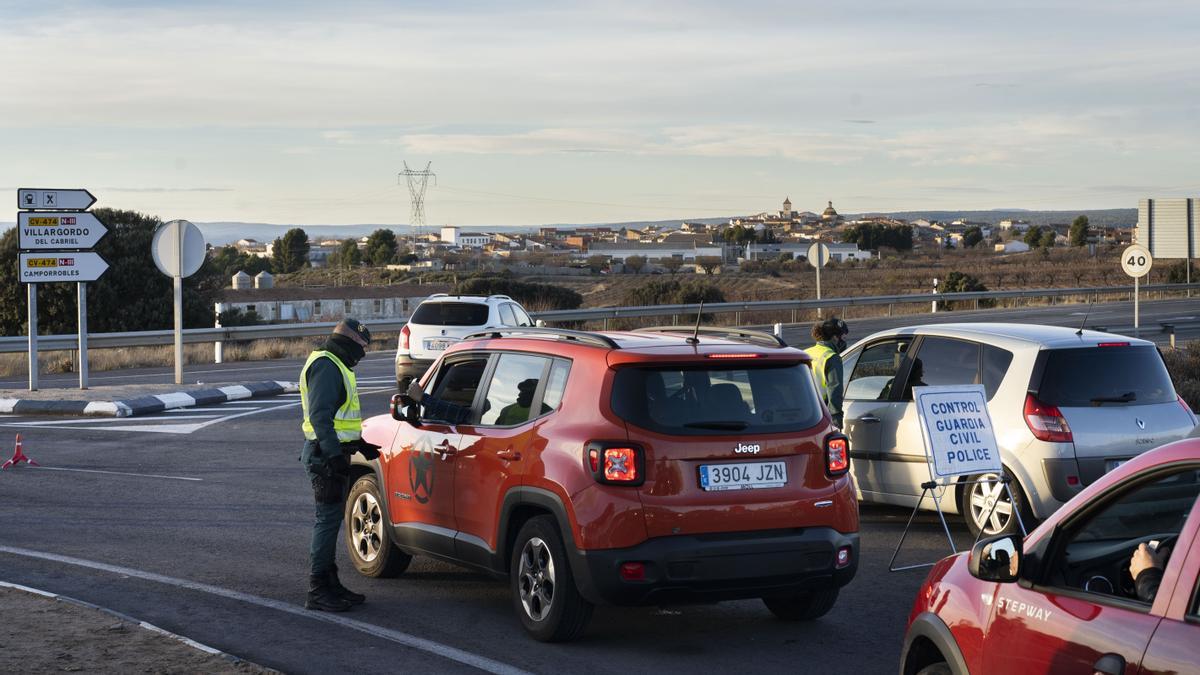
(996, 559)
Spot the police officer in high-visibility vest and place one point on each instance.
(827, 363)
(332, 432)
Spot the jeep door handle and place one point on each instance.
(867, 419)
(445, 449)
(509, 455)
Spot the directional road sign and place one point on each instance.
(44, 268)
(44, 231)
(50, 198)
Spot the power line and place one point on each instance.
(417, 182)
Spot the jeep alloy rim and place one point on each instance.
(366, 527)
(536, 579)
(982, 496)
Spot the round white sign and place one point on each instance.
(1136, 261)
(818, 255)
(178, 248)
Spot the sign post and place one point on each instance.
(53, 231)
(178, 251)
(818, 256)
(957, 433)
(1136, 261)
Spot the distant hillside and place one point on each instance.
(1097, 217)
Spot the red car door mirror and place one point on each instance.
(996, 559)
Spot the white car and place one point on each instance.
(444, 319)
(1067, 406)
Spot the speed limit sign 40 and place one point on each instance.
(1136, 261)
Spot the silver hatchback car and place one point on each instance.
(1067, 406)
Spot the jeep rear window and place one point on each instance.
(1087, 376)
(717, 400)
(450, 314)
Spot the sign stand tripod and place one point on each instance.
(956, 430)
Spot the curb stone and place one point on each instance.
(125, 617)
(146, 405)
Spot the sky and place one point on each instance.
(563, 112)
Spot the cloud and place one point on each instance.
(167, 189)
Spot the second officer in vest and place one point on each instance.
(332, 432)
(827, 363)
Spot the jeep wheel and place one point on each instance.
(981, 498)
(803, 606)
(543, 588)
(367, 537)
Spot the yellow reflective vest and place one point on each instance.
(820, 354)
(347, 421)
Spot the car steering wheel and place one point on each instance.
(1128, 587)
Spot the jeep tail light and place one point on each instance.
(616, 463)
(404, 335)
(837, 454)
(1046, 422)
(733, 356)
(633, 571)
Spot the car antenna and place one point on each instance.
(1091, 299)
(695, 339)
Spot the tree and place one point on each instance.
(347, 255)
(1079, 231)
(635, 263)
(972, 236)
(227, 261)
(767, 236)
(1048, 237)
(671, 264)
(709, 263)
(597, 262)
(957, 282)
(871, 236)
(533, 296)
(290, 252)
(381, 247)
(1033, 236)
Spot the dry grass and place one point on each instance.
(14, 365)
(1184, 366)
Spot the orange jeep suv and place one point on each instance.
(648, 467)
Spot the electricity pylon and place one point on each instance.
(417, 180)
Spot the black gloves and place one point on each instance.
(369, 451)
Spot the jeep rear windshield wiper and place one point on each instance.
(1127, 397)
(734, 425)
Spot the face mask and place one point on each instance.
(841, 345)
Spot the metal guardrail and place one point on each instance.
(19, 344)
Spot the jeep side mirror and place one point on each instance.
(996, 559)
(404, 409)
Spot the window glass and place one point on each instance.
(522, 318)
(698, 400)
(450, 314)
(458, 382)
(556, 385)
(942, 361)
(875, 369)
(506, 315)
(1105, 376)
(995, 367)
(512, 390)
(1098, 551)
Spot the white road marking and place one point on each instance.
(102, 420)
(115, 473)
(224, 408)
(399, 637)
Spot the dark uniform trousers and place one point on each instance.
(330, 477)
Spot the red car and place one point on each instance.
(621, 468)
(1064, 599)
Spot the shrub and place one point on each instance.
(1184, 366)
(533, 296)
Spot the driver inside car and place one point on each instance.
(1146, 568)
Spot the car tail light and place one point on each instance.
(404, 335)
(1113, 344)
(733, 356)
(837, 454)
(616, 463)
(633, 571)
(1046, 422)
(845, 555)
(1186, 407)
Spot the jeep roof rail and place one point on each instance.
(581, 336)
(745, 334)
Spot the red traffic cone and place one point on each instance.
(18, 457)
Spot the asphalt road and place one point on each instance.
(198, 521)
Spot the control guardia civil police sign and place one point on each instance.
(957, 429)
